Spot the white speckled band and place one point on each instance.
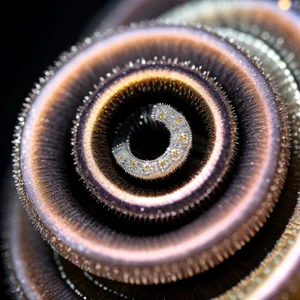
(175, 154)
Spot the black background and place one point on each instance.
(32, 36)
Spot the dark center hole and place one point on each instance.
(150, 140)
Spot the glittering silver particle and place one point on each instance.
(175, 154)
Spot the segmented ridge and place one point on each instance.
(177, 210)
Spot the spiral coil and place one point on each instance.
(216, 107)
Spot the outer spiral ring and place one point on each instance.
(134, 266)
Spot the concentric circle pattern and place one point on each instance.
(159, 160)
(123, 107)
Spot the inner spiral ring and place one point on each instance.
(134, 87)
(176, 153)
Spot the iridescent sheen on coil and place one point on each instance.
(263, 153)
(180, 85)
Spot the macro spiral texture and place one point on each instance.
(159, 159)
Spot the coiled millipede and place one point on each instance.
(160, 159)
